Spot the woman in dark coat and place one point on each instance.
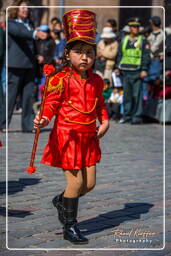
(21, 64)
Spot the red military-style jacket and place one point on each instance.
(75, 102)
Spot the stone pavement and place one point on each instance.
(124, 212)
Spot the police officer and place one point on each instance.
(133, 61)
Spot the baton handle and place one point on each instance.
(31, 169)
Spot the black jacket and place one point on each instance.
(168, 52)
(21, 46)
(2, 46)
(46, 48)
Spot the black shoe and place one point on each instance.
(74, 235)
(57, 202)
(71, 231)
(137, 122)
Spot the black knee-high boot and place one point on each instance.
(57, 202)
(71, 231)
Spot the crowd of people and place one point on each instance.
(129, 60)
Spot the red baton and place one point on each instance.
(48, 71)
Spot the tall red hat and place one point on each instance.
(80, 24)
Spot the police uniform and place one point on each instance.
(133, 58)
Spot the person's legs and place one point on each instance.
(138, 100)
(109, 109)
(2, 96)
(74, 182)
(27, 100)
(145, 88)
(127, 96)
(3, 78)
(14, 79)
(74, 179)
(116, 111)
(89, 179)
(70, 199)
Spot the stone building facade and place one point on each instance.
(44, 15)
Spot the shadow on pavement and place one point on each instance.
(14, 187)
(14, 213)
(132, 211)
(17, 186)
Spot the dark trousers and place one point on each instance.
(20, 80)
(2, 96)
(113, 110)
(133, 92)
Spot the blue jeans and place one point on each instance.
(3, 78)
(154, 72)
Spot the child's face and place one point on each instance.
(106, 87)
(82, 56)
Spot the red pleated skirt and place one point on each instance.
(70, 149)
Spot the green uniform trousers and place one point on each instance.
(133, 92)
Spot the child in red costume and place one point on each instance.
(75, 98)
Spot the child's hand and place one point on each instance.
(40, 123)
(102, 129)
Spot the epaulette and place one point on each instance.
(56, 82)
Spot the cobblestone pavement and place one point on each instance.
(124, 212)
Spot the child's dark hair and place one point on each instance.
(106, 81)
(68, 47)
(56, 19)
(112, 22)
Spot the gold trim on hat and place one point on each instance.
(85, 30)
(88, 24)
(81, 17)
(81, 39)
(133, 23)
(78, 10)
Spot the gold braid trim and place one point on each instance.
(84, 112)
(58, 87)
(79, 10)
(134, 23)
(80, 17)
(76, 122)
(78, 30)
(88, 24)
(81, 38)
